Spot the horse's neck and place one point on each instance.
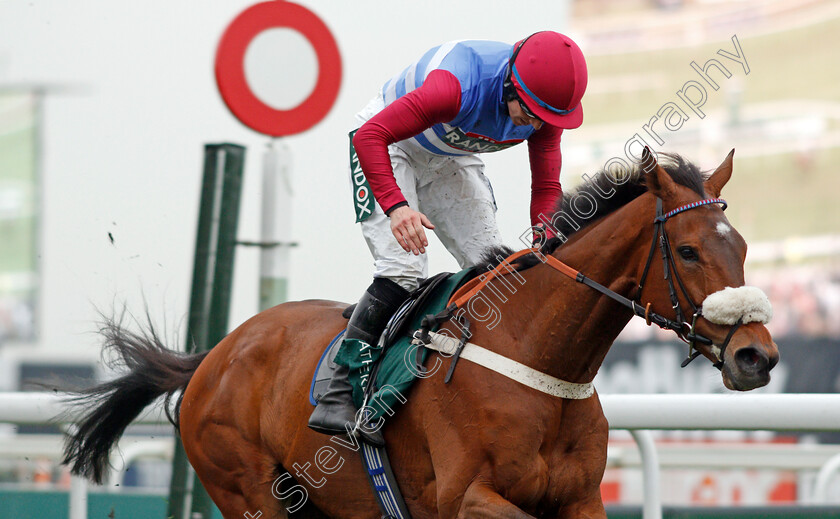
(574, 326)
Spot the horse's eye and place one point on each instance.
(687, 253)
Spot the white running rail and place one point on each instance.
(637, 413)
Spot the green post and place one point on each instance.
(210, 298)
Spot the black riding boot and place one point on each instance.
(336, 408)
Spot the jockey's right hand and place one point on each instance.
(407, 226)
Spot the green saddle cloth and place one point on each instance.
(393, 376)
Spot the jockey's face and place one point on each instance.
(519, 117)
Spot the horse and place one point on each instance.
(481, 444)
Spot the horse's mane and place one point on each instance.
(627, 184)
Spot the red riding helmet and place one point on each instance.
(548, 72)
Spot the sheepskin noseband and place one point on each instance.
(727, 306)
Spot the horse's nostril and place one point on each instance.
(750, 359)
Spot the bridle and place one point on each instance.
(685, 331)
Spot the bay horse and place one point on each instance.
(483, 444)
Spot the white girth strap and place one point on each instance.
(512, 369)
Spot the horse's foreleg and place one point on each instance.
(482, 501)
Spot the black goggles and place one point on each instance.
(526, 111)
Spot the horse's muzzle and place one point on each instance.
(749, 367)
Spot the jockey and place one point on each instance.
(417, 144)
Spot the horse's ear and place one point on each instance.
(658, 181)
(720, 177)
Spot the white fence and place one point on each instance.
(637, 413)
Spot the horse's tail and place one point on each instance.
(152, 370)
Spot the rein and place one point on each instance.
(684, 330)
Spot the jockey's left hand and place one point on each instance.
(407, 226)
(539, 236)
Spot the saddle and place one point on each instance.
(429, 298)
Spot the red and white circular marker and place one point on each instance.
(230, 68)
